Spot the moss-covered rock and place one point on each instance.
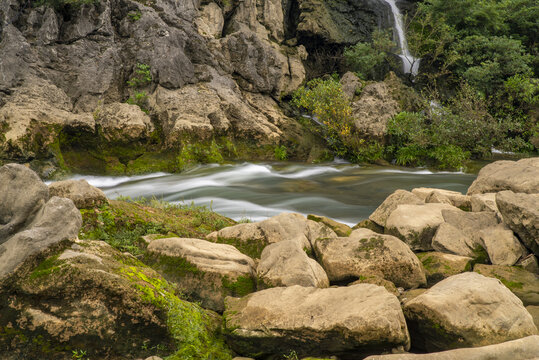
(524, 284)
(439, 266)
(204, 271)
(91, 297)
(123, 223)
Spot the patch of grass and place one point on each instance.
(280, 153)
(122, 223)
(46, 267)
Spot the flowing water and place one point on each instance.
(410, 64)
(345, 192)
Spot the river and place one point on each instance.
(345, 192)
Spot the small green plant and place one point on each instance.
(79, 355)
(292, 355)
(142, 76)
(281, 153)
(135, 16)
(140, 99)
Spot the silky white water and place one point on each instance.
(344, 192)
(410, 64)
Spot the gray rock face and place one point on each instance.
(204, 271)
(521, 349)
(285, 226)
(399, 197)
(356, 319)
(466, 310)
(31, 223)
(520, 213)
(286, 264)
(82, 194)
(519, 176)
(416, 224)
(366, 253)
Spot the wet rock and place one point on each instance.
(251, 238)
(206, 272)
(439, 266)
(416, 224)
(524, 284)
(82, 194)
(366, 253)
(357, 319)
(466, 310)
(520, 176)
(520, 349)
(520, 213)
(399, 197)
(286, 264)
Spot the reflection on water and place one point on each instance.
(347, 193)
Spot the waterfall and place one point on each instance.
(410, 64)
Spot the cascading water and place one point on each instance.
(410, 64)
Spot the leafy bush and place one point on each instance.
(370, 60)
(280, 153)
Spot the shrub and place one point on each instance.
(281, 153)
(370, 60)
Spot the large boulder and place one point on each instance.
(206, 272)
(416, 224)
(358, 320)
(31, 223)
(399, 197)
(366, 253)
(466, 310)
(520, 212)
(439, 266)
(521, 349)
(89, 296)
(285, 264)
(251, 238)
(524, 284)
(484, 202)
(471, 233)
(519, 176)
(339, 228)
(82, 194)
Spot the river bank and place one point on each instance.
(430, 270)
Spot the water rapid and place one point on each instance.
(345, 192)
(410, 64)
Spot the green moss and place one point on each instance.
(191, 327)
(480, 255)
(512, 285)
(252, 248)
(176, 266)
(242, 286)
(367, 245)
(199, 152)
(122, 223)
(46, 267)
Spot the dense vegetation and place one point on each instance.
(478, 84)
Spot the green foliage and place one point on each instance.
(140, 98)
(78, 354)
(281, 153)
(135, 16)
(369, 60)
(142, 76)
